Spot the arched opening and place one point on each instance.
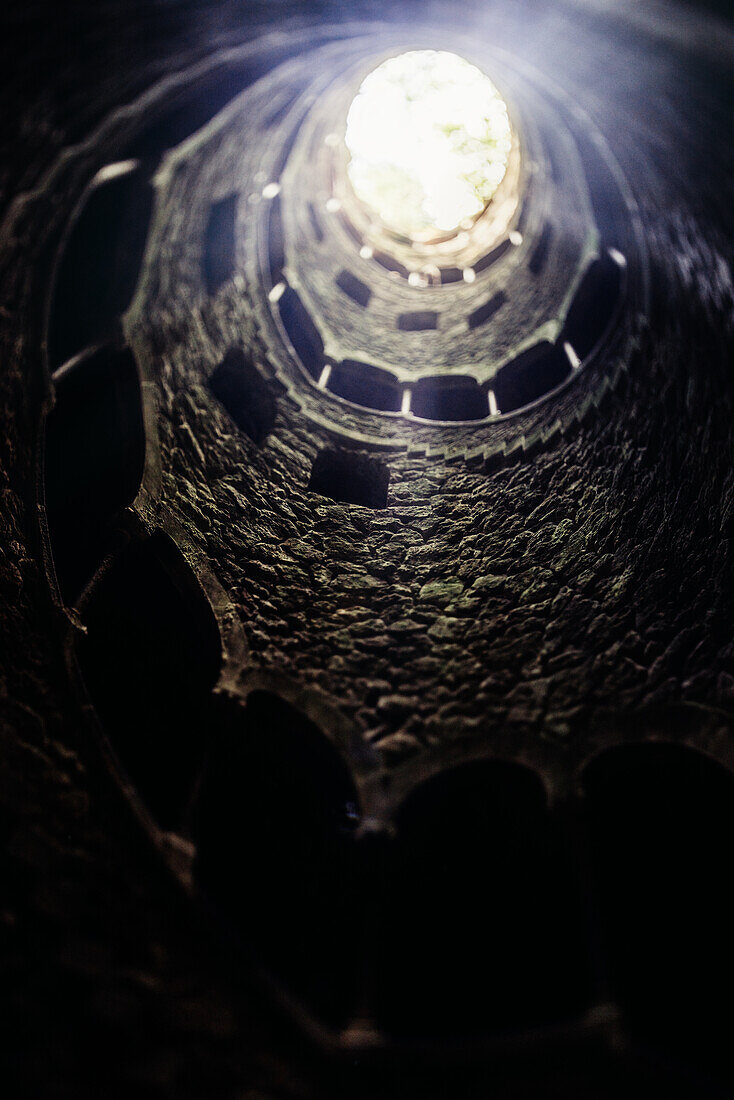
(94, 458)
(149, 659)
(529, 376)
(275, 830)
(219, 254)
(100, 264)
(661, 823)
(594, 304)
(449, 397)
(243, 392)
(366, 385)
(302, 332)
(480, 927)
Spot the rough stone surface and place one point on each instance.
(516, 605)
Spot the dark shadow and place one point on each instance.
(594, 305)
(350, 229)
(218, 260)
(244, 393)
(302, 332)
(284, 150)
(487, 310)
(275, 116)
(539, 255)
(276, 242)
(419, 320)
(530, 376)
(94, 458)
(609, 208)
(100, 265)
(480, 930)
(491, 257)
(316, 226)
(276, 850)
(452, 397)
(149, 659)
(194, 106)
(384, 259)
(354, 288)
(350, 478)
(365, 385)
(661, 821)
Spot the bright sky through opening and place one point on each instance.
(429, 139)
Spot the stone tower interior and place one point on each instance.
(366, 579)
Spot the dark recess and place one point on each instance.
(419, 320)
(349, 228)
(384, 259)
(525, 207)
(318, 231)
(193, 107)
(593, 306)
(149, 659)
(302, 331)
(284, 151)
(532, 374)
(539, 254)
(245, 394)
(606, 202)
(483, 313)
(481, 923)
(278, 113)
(191, 110)
(276, 242)
(555, 159)
(218, 261)
(354, 288)
(365, 385)
(661, 823)
(350, 478)
(99, 268)
(94, 458)
(276, 852)
(491, 257)
(453, 397)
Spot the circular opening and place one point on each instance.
(429, 139)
